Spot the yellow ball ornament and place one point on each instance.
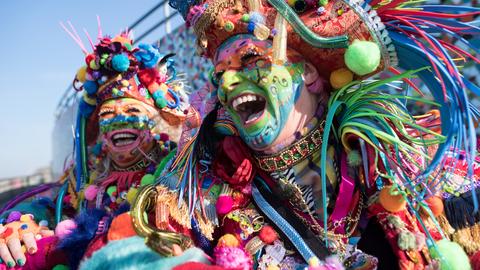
(341, 77)
(82, 74)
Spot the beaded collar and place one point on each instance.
(293, 154)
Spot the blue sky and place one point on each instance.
(39, 61)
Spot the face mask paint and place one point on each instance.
(125, 126)
(258, 94)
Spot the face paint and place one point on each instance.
(125, 126)
(258, 94)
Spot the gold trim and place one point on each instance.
(294, 154)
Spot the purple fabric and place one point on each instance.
(28, 194)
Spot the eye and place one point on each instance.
(133, 110)
(106, 112)
(250, 55)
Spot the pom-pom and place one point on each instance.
(268, 235)
(43, 223)
(391, 202)
(341, 77)
(475, 260)
(91, 87)
(451, 256)
(60, 267)
(232, 258)
(435, 204)
(148, 55)
(111, 190)
(228, 240)
(82, 74)
(131, 195)
(322, 3)
(407, 241)
(147, 179)
(85, 109)
(354, 159)
(64, 228)
(224, 204)
(14, 216)
(120, 63)
(159, 97)
(362, 57)
(90, 192)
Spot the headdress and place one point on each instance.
(117, 69)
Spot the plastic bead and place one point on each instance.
(341, 77)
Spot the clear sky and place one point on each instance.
(38, 62)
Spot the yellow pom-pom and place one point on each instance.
(314, 262)
(228, 240)
(341, 77)
(82, 74)
(131, 195)
(26, 218)
(273, 267)
(291, 2)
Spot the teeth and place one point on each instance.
(243, 99)
(123, 135)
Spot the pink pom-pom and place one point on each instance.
(232, 258)
(91, 192)
(64, 228)
(224, 204)
(268, 235)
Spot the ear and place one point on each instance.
(314, 83)
(310, 75)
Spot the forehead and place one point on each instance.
(123, 102)
(231, 46)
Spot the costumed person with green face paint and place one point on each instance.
(130, 118)
(305, 161)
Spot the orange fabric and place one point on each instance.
(121, 228)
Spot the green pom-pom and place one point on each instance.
(60, 267)
(452, 256)
(322, 3)
(245, 18)
(111, 190)
(147, 179)
(362, 57)
(354, 159)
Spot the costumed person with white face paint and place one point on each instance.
(306, 162)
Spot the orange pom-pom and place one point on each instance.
(268, 235)
(228, 240)
(391, 202)
(436, 206)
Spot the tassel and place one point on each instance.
(460, 210)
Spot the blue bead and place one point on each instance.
(24, 226)
(251, 27)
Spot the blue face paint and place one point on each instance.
(123, 122)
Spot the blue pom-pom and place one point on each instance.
(256, 17)
(97, 149)
(251, 27)
(85, 109)
(148, 55)
(120, 63)
(91, 87)
(158, 94)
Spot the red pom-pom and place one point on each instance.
(268, 235)
(224, 204)
(147, 76)
(475, 261)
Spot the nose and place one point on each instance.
(230, 80)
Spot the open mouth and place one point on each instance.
(249, 107)
(123, 138)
